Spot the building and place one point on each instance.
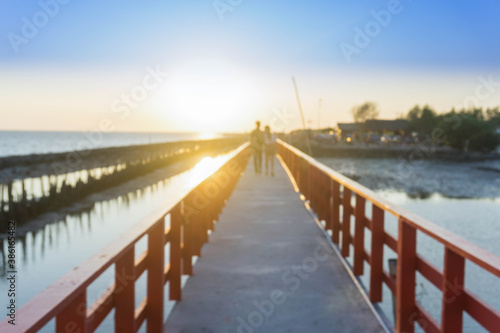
(349, 129)
(398, 126)
(373, 128)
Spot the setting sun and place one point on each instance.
(211, 100)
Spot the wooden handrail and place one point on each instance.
(65, 299)
(310, 174)
(470, 251)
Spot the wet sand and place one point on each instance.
(420, 179)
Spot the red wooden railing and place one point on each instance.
(192, 213)
(328, 190)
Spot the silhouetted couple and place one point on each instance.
(263, 142)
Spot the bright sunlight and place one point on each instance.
(204, 168)
(215, 99)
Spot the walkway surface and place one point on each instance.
(269, 268)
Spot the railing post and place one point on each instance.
(294, 170)
(211, 196)
(335, 212)
(314, 189)
(323, 195)
(192, 217)
(320, 195)
(187, 248)
(359, 236)
(303, 178)
(72, 317)
(328, 202)
(405, 282)
(377, 254)
(156, 264)
(308, 179)
(204, 215)
(346, 221)
(294, 164)
(223, 185)
(318, 188)
(175, 292)
(453, 287)
(300, 175)
(210, 214)
(124, 292)
(311, 172)
(197, 233)
(216, 203)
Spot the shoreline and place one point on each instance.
(412, 152)
(422, 178)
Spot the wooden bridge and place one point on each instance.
(266, 263)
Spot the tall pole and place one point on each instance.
(298, 102)
(301, 114)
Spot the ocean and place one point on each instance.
(38, 142)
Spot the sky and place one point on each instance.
(219, 65)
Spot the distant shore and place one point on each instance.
(421, 151)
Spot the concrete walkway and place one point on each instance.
(268, 268)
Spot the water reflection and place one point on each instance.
(46, 254)
(48, 238)
(40, 186)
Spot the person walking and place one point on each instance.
(270, 149)
(256, 143)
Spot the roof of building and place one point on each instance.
(349, 127)
(390, 125)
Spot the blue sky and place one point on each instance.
(108, 44)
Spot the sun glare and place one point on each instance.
(204, 168)
(206, 102)
(206, 135)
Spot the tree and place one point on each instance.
(422, 120)
(414, 114)
(365, 111)
(428, 120)
(470, 129)
(493, 116)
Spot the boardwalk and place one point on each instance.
(269, 268)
